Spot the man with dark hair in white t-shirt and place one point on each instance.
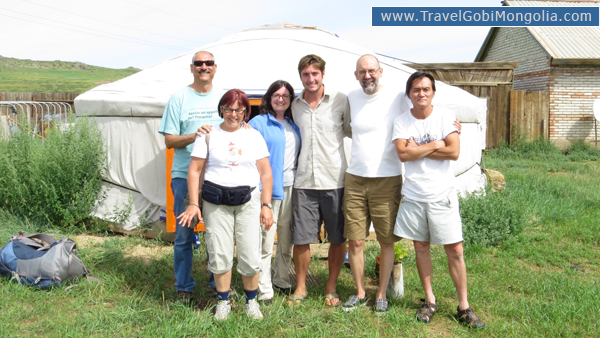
(427, 142)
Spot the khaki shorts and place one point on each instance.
(435, 222)
(371, 199)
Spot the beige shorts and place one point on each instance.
(435, 222)
(371, 199)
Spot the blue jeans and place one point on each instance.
(184, 239)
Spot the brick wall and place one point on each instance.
(573, 90)
(517, 44)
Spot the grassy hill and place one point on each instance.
(18, 75)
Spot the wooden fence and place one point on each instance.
(38, 97)
(491, 80)
(529, 113)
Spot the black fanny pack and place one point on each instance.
(218, 194)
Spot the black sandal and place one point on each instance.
(426, 312)
(469, 318)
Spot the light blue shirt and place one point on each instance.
(185, 112)
(273, 133)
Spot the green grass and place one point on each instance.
(55, 76)
(526, 286)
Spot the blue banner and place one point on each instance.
(486, 16)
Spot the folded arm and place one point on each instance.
(450, 151)
(408, 150)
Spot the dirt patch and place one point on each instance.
(139, 251)
(147, 253)
(85, 241)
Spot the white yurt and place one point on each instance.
(129, 111)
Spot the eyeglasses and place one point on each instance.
(208, 63)
(229, 110)
(284, 97)
(370, 71)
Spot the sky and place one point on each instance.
(143, 33)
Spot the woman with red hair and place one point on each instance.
(236, 160)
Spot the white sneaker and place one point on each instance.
(253, 310)
(222, 310)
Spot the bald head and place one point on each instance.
(368, 73)
(367, 57)
(212, 57)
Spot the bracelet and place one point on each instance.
(195, 205)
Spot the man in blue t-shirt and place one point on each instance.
(188, 110)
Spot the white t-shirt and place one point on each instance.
(373, 153)
(292, 147)
(426, 180)
(232, 156)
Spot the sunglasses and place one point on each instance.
(208, 63)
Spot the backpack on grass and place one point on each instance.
(40, 261)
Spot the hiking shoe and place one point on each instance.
(381, 306)
(469, 318)
(185, 297)
(354, 302)
(222, 310)
(253, 310)
(266, 302)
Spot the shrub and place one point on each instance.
(538, 149)
(57, 180)
(541, 149)
(581, 151)
(491, 219)
(399, 252)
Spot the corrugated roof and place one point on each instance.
(565, 42)
(550, 3)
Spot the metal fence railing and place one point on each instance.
(35, 116)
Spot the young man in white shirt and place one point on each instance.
(323, 118)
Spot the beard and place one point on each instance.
(370, 87)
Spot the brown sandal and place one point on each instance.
(426, 312)
(469, 318)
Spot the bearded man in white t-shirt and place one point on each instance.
(373, 178)
(427, 142)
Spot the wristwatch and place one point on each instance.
(268, 205)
